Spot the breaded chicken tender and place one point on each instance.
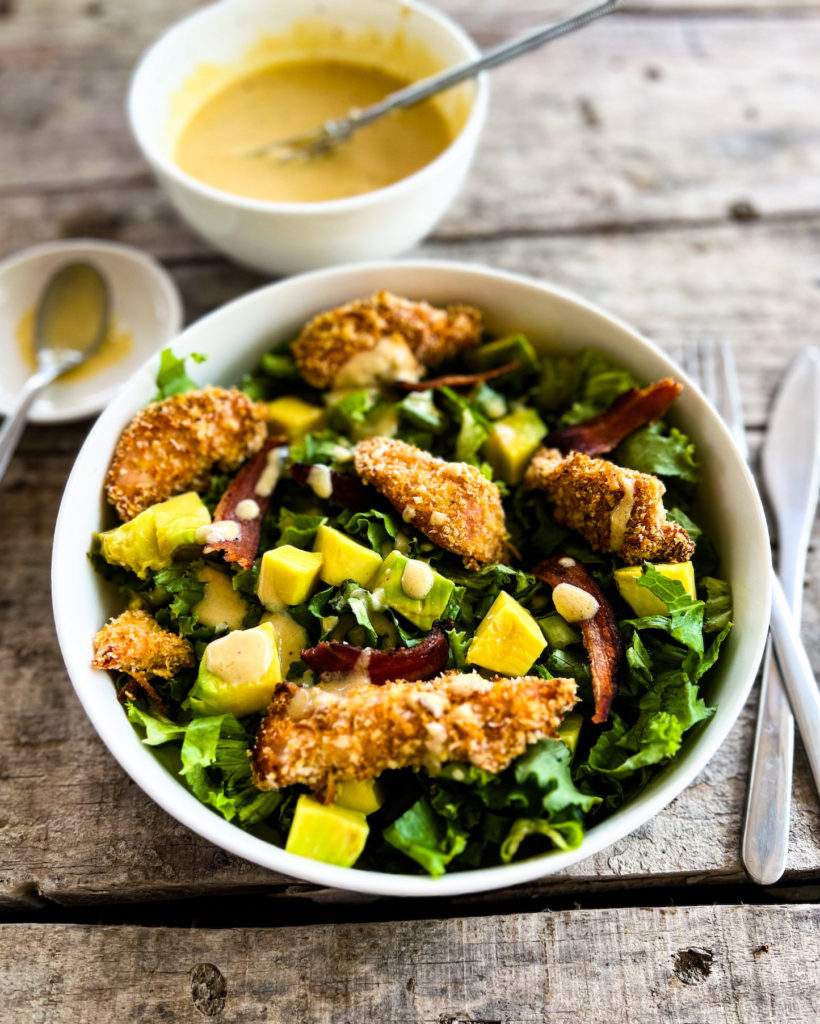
(172, 446)
(382, 339)
(136, 644)
(320, 736)
(453, 503)
(615, 509)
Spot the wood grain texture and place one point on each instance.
(76, 829)
(665, 164)
(638, 120)
(700, 965)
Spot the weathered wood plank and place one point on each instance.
(671, 120)
(76, 829)
(754, 283)
(700, 965)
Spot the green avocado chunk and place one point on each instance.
(396, 578)
(332, 834)
(177, 521)
(570, 729)
(238, 673)
(150, 539)
(505, 350)
(558, 631)
(512, 442)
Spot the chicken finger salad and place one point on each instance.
(409, 597)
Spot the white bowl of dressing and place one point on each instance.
(554, 320)
(201, 56)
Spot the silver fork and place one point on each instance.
(766, 828)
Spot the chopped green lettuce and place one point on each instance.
(664, 451)
(215, 764)
(718, 605)
(171, 376)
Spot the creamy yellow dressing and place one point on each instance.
(115, 346)
(288, 98)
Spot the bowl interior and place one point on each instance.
(199, 55)
(144, 301)
(555, 321)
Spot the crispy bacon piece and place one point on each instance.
(346, 490)
(243, 487)
(600, 633)
(423, 661)
(631, 410)
(456, 380)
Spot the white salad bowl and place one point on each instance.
(284, 238)
(555, 320)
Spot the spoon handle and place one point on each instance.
(418, 91)
(15, 422)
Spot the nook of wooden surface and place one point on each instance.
(664, 164)
(699, 965)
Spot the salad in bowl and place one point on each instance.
(411, 596)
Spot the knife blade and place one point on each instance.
(790, 466)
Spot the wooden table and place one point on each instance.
(666, 164)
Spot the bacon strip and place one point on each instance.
(423, 661)
(346, 490)
(600, 634)
(456, 380)
(632, 409)
(244, 548)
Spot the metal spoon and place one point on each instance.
(71, 321)
(331, 134)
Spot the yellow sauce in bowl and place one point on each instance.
(115, 346)
(284, 99)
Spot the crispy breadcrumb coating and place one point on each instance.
(136, 644)
(615, 509)
(453, 503)
(320, 736)
(410, 335)
(171, 446)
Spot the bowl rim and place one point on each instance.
(183, 805)
(99, 249)
(467, 135)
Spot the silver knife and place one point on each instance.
(791, 472)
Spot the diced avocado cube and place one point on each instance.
(294, 417)
(362, 795)
(512, 442)
(149, 540)
(133, 545)
(419, 409)
(508, 639)
(238, 673)
(288, 576)
(570, 729)
(344, 558)
(292, 638)
(558, 631)
(413, 589)
(177, 521)
(332, 834)
(382, 422)
(221, 605)
(505, 350)
(640, 599)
